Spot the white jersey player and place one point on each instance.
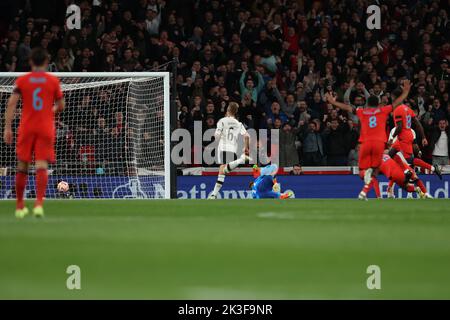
(392, 139)
(228, 131)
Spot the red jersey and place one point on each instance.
(373, 123)
(404, 114)
(388, 165)
(39, 91)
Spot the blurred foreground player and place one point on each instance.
(265, 186)
(41, 98)
(408, 153)
(373, 131)
(394, 172)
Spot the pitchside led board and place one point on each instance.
(199, 187)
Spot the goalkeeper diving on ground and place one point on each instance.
(265, 185)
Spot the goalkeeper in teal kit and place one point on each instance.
(265, 185)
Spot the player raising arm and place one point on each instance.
(373, 131)
(227, 133)
(41, 98)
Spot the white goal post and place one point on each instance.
(112, 140)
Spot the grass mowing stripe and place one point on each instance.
(211, 249)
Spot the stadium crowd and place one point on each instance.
(276, 58)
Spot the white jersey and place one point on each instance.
(391, 135)
(228, 131)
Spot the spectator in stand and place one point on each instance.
(288, 148)
(313, 147)
(301, 115)
(275, 113)
(353, 156)
(440, 142)
(296, 170)
(247, 84)
(276, 58)
(337, 143)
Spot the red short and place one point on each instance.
(405, 147)
(370, 154)
(397, 176)
(41, 146)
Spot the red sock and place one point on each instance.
(376, 187)
(391, 183)
(368, 187)
(41, 185)
(373, 184)
(421, 186)
(21, 183)
(400, 162)
(420, 163)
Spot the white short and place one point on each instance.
(225, 157)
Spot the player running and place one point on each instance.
(265, 185)
(227, 133)
(373, 131)
(40, 91)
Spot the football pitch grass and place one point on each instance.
(227, 249)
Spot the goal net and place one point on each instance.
(112, 140)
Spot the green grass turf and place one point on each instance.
(230, 249)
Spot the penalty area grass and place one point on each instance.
(227, 249)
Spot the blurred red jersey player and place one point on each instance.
(404, 118)
(392, 170)
(403, 138)
(41, 98)
(373, 137)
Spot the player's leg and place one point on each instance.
(432, 168)
(41, 186)
(366, 189)
(404, 159)
(222, 158)
(44, 153)
(423, 190)
(368, 176)
(225, 157)
(376, 187)
(236, 163)
(390, 189)
(21, 183)
(219, 182)
(376, 155)
(398, 177)
(269, 195)
(24, 150)
(364, 165)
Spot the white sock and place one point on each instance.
(219, 183)
(233, 165)
(402, 157)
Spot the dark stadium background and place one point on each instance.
(292, 51)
